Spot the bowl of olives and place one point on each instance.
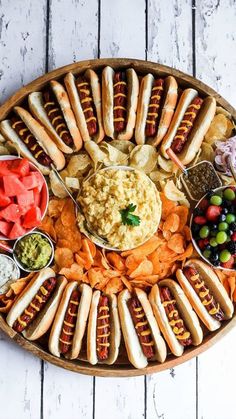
(213, 227)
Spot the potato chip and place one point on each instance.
(144, 268)
(186, 232)
(18, 286)
(182, 212)
(63, 257)
(154, 258)
(172, 222)
(176, 243)
(72, 183)
(47, 226)
(100, 260)
(158, 176)
(167, 206)
(68, 218)
(116, 261)
(95, 153)
(133, 261)
(114, 156)
(55, 207)
(123, 145)
(167, 234)
(172, 192)
(114, 286)
(126, 282)
(79, 162)
(205, 153)
(145, 249)
(56, 186)
(144, 157)
(74, 273)
(217, 129)
(95, 276)
(166, 165)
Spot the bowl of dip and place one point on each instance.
(33, 251)
(9, 272)
(122, 205)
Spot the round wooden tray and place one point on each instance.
(122, 368)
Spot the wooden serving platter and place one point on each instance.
(121, 368)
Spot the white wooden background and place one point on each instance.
(196, 36)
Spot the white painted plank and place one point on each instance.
(22, 44)
(19, 382)
(216, 66)
(170, 33)
(215, 45)
(119, 398)
(66, 394)
(73, 31)
(170, 43)
(122, 28)
(216, 380)
(172, 393)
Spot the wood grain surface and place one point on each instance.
(196, 38)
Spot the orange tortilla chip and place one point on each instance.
(74, 273)
(176, 243)
(63, 257)
(172, 223)
(145, 268)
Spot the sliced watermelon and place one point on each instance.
(5, 228)
(25, 199)
(32, 218)
(11, 213)
(20, 167)
(16, 231)
(37, 197)
(40, 179)
(30, 182)
(4, 200)
(13, 186)
(4, 168)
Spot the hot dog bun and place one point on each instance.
(185, 310)
(198, 131)
(42, 137)
(166, 110)
(13, 137)
(71, 88)
(115, 334)
(132, 344)
(36, 105)
(108, 103)
(216, 289)
(44, 319)
(81, 321)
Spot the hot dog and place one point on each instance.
(85, 96)
(31, 139)
(119, 102)
(206, 293)
(140, 330)
(70, 321)
(191, 120)
(33, 311)
(175, 316)
(103, 336)
(52, 109)
(156, 104)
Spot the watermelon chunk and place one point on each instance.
(30, 182)
(40, 179)
(20, 166)
(25, 199)
(4, 168)
(13, 186)
(32, 218)
(11, 213)
(4, 200)
(16, 231)
(5, 228)
(37, 197)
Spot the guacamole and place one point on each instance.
(33, 251)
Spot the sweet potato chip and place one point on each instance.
(80, 260)
(74, 273)
(154, 258)
(176, 243)
(47, 226)
(133, 261)
(116, 261)
(63, 243)
(172, 223)
(144, 268)
(68, 218)
(187, 233)
(167, 206)
(145, 249)
(182, 212)
(63, 257)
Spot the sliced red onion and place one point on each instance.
(224, 150)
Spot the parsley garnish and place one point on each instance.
(128, 218)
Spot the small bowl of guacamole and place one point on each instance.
(33, 251)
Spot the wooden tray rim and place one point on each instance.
(103, 370)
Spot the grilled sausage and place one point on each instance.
(175, 321)
(141, 326)
(87, 104)
(120, 101)
(25, 135)
(153, 108)
(36, 305)
(56, 117)
(203, 293)
(186, 125)
(68, 328)
(103, 328)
